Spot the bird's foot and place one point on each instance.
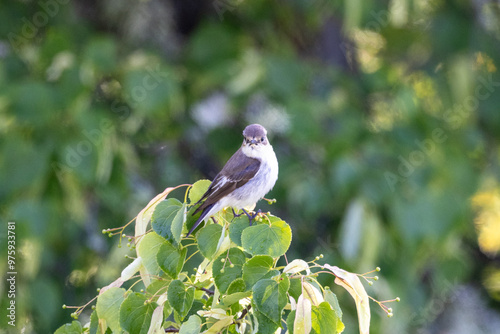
(238, 215)
(251, 217)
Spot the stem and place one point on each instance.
(245, 311)
(190, 256)
(157, 293)
(133, 284)
(186, 193)
(210, 292)
(270, 201)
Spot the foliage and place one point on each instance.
(233, 289)
(383, 115)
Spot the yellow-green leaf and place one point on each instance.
(263, 239)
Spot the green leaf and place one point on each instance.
(197, 190)
(192, 326)
(219, 325)
(270, 297)
(167, 310)
(290, 320)
(263, 239)
(197, 306)
(171, 259)
(256, 268)
(295, 288)
(94, 323)
(180, 298)
(273, 219)
(233, 329)
(323, 319)
(235, 297)
(108, 307)
(271, 273)
(238, 285)
(148, 249)
(178, 223)
(158, 286)
(223, 274)
(191, 219)
(236, 228)
(135, 313)
(73, 328)
(266, 325)
(331, 298)
(163, 218)
(208, 238)
(236, 292)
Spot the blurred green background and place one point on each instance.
(384, 115)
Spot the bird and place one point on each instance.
(246, 177)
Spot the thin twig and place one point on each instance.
(210, 292)
(245, 311)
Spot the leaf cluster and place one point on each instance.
(236, 287)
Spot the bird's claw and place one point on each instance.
(251, 217)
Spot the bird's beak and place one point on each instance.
(253, 142)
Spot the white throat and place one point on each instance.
(261, 153)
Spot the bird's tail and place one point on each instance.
(200, 219)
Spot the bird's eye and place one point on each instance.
(262, 139)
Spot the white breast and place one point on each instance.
(265, 179)
(261, 183)
(269, 169)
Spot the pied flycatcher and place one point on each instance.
(246, 178)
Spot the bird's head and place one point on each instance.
(255, 137)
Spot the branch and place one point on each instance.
(210, 292)
(245, 311)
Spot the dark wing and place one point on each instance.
(238, 171)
